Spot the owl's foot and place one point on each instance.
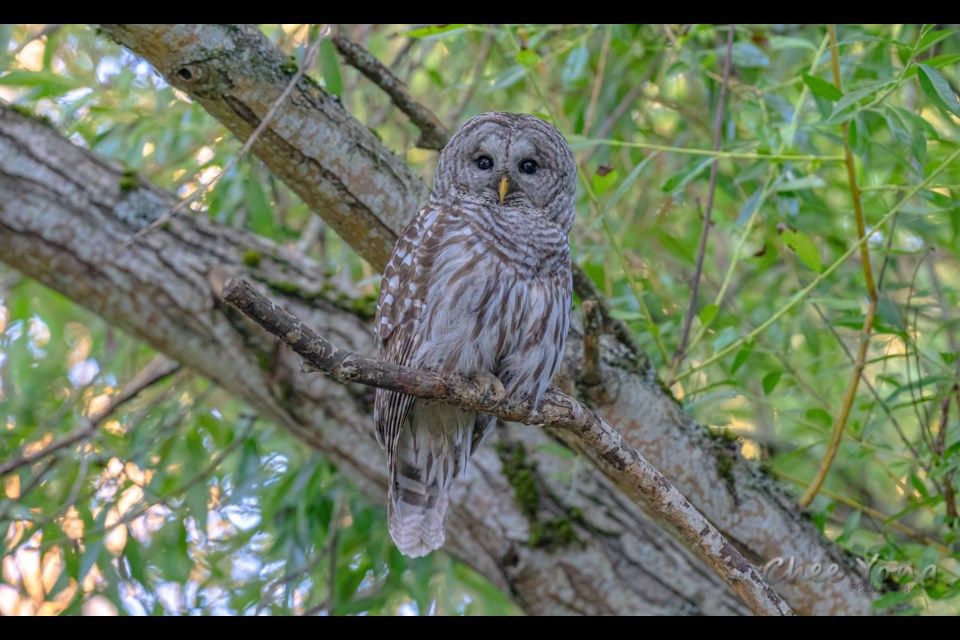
(491, 386)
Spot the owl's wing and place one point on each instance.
(399, 309)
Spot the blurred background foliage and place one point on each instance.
(182, 501)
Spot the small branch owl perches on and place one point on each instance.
(479, 285)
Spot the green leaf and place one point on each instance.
(779, 43)
(846, 107)
(891, 599)
(89, 558)
(434, 30)
(173, 553)
(804, 248)
(45, 83)
(138, 567)
(806, 182)
(937, 62)
(528, 57)
(949, 357)
(708, 313)
(196, 498)
(746, 211)
(330, 68)
(933, 38)
(850, 526)
(819, 415)
(680, 179)
(929, 556)
(936, 87)
(601, 183)
(769, 382)
(741, 357)
(575, 65)
(919, 486)
(821, 88)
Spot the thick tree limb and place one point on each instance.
(557, 410)
(367, 194)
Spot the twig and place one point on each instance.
(308, 58)
(433, 135)
(693, 151)
(584, 287)
(907, 339)
(330, 601)
(557, 410)
(873, 390)
(867, 330)
(948, 495)
(604, 129)
(598, 80)
(705, 231)
(476, 76)
(156, 370)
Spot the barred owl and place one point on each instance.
(479, 285)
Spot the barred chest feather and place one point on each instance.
(498, 298)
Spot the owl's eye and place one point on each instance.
(484, 163)
(529, 166)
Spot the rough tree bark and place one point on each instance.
(627, 564)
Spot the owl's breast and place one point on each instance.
(487, 311)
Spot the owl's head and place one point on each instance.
(513, 160)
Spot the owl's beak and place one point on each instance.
(504, 187)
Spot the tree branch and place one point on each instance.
(557, 410)
(705, 231)
(433, 135)
(155, 371)
(850, 394)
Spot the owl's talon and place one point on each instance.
(492, 387)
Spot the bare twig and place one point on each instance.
(948, 494)
(156, 370)
(598, 80)
(557, 410)
(308, 58)
(705, 231)
(867, 330)
(872, 389)
(583, 286)
(433, 135)
(476, 76)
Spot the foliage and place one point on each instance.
(227, 513)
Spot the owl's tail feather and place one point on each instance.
(415, 514)
(430, 453)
